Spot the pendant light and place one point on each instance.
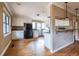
(76, 13)
(66, 12)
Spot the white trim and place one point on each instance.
(5, 35)
(77, 40)
(8, 8)
(5, 49)
(51, 51)
(63, 47)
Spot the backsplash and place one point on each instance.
(17, 28)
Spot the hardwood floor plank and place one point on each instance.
(36, 47)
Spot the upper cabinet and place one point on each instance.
(62, 22)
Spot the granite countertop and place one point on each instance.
(65, 30)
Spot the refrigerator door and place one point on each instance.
(28, 33)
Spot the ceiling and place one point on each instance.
(30, 9)
(71, 6)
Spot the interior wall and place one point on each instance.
(4, 41)
(61, 39)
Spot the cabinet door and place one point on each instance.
(18, 35)
(47, 40)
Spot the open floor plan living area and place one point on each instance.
(39, 29)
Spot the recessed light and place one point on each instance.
(18, 3)
(38, 14)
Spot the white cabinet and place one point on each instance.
(47, 40)
(17, 34)
(36, 33)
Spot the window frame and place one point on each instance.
(6, 23)
(36, 25)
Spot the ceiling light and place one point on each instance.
(38, 14)
(18, 3)
(76, 13)
(66, 12)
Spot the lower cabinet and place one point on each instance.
(47, 41)
(17, 34)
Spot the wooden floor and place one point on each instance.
(35, 47)
(27, 47)
(71, 50)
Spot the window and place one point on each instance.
(38, 25)
(5, 24)
(43, 26)
(33, 25)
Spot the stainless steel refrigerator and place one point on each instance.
(28, 32)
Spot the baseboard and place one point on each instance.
(49, 49)
(5, 49)
(63, 47)
(77, 40)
